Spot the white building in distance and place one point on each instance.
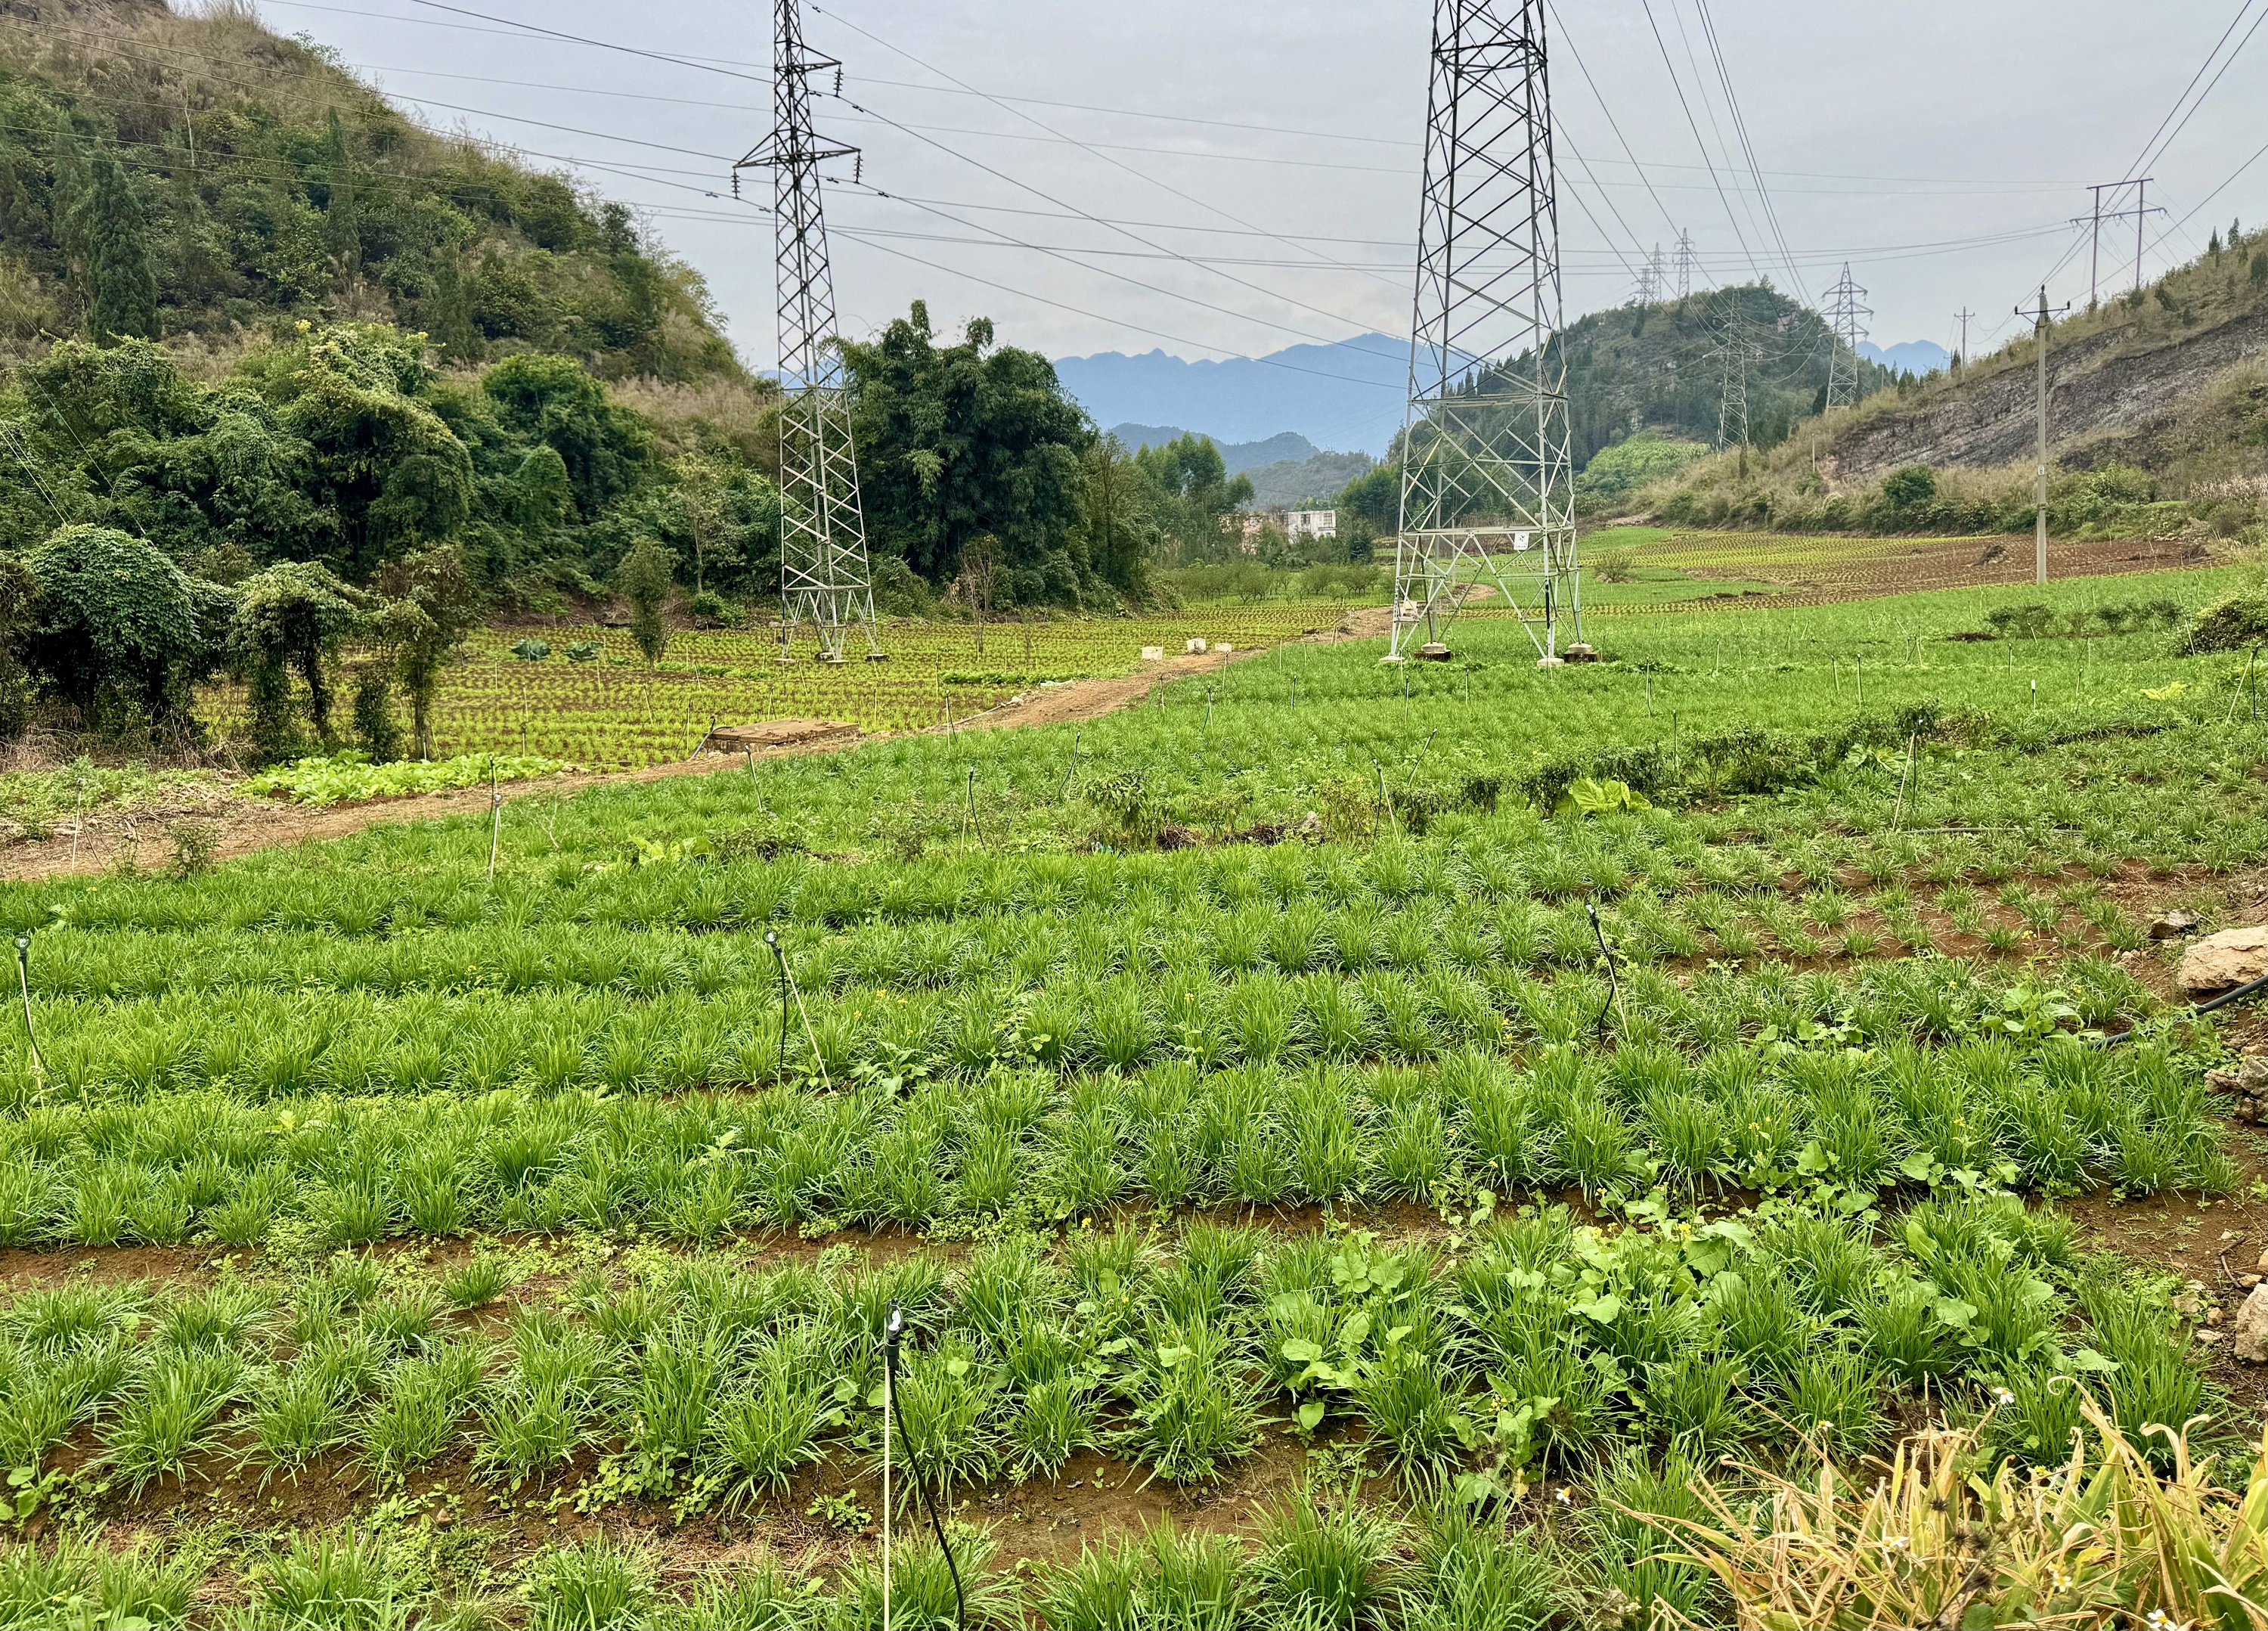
(1294, 525)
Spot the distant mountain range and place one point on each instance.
(1283, 469)
(1285, 446)
(1916, 357)
(1347, 395)
(1287, 406)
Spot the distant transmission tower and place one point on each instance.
(1485, 470)
(823, 575)
(1685, 262)
(1843, 315)
(1734, 353)
(1649, 280)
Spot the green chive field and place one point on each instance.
(1353, 1146)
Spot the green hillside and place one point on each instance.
(166, 176)
(1664, 366)
(2156, 418)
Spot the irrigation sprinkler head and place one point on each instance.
(771, 939)
(894, 1329)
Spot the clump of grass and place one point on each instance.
(1194, 1407)
(75, 1581)
(596, 1585)
(478, 1282)
(1321, 1562)
(2098, 1535)
(1466, 1572)
(335, 1578)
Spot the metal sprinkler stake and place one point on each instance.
(23, 982)
(771, 939)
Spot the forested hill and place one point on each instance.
(166, 176)
(1664, 366)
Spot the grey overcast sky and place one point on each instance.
(1222, 178)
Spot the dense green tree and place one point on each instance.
(962, 440)
(121, 632)
(1192, 492)
(290, 618)
(644, 579)
(1114, 511)
(431, 604)
(122, 285)
(554, 401)
(1909, 491)
(386, 469)
(19, 604)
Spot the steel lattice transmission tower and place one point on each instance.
(823, 573)
(1487, 484)
(1650, 283)
(1843, 314)
(1686, 261)
(1735, 353)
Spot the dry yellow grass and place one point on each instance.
(2104, 1539)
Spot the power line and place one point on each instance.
(2144, 159)
(1098, 221)
(1612, 123)
(2258, 153)
(1693, 125)
(1709, 110)
(1201, 203)
(1741, 129)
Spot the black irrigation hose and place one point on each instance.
(891, 1333)
(1614, 984)
(2251, 988)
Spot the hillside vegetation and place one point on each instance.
(1663, 366)
(172, 176)
(2157, 417)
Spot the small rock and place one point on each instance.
(2248, 1280)
(2208, 1337)
(2250, 1078)
(2232, 957)
(2168, 923)
(2214, 1316)
(2250, 1331)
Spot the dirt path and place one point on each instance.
(241, 826)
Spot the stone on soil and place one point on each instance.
(2249, 1335)
(2232, 957)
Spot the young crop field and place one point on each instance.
(1350, 1147)
(610, 711)
(1815, 571)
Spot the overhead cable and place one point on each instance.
(1694, 125)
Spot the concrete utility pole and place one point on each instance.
(1961, 358)
(2040, 506)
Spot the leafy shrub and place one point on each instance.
(121, 632)
(2232, 625)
